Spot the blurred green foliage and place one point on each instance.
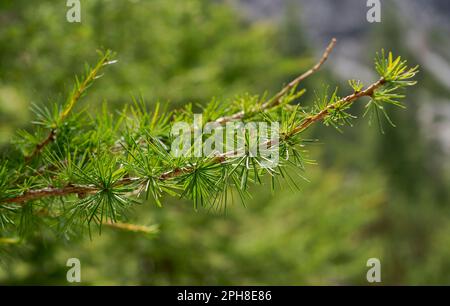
(370, 195)
(187, 51)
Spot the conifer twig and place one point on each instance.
(6, 240)
(153, 229)
(368, 92)
(275, 100)
(74, 97)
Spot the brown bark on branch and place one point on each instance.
(89, 189)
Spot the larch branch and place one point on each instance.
(90, 189)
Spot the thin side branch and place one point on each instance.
(277, 98)
(153, 229)
(50, 138)
(274, 101)
(73, 99)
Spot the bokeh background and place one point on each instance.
(370, 195)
